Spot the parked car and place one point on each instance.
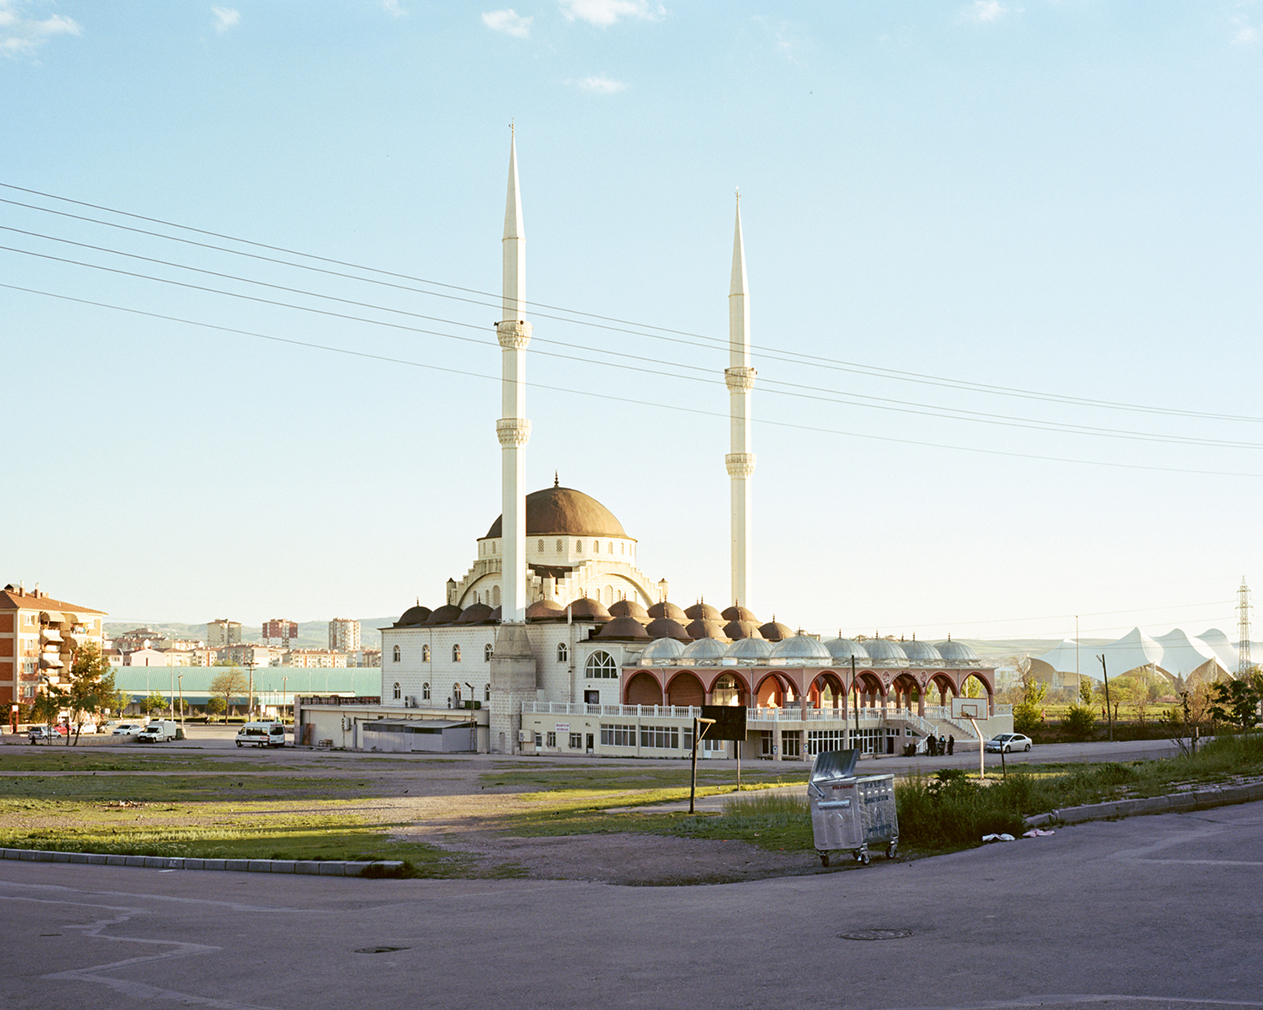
(41, 734)
(128, 729)
(1007, 743)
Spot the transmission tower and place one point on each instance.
(1243, 629)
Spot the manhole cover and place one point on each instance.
(877, 934)
(379, 950)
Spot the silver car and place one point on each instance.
(1007, 743)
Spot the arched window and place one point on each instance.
(486, 653)
(456, 693)
(609, 595)
(396, 692)
(600, 665)
(425, 653)
(563, 652)
(476, 599)
(611, 546)
(455, 653)
(541, 547)
(622, 548)
(493, 546)
(425, 691)
(558, 546)
(486, 692)
(495, 596)
(596, 547)
(578, 546)
(394, 654)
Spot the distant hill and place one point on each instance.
(311, 634)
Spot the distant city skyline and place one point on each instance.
(1002, 266)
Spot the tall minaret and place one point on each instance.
(513, 429)
(739, 377)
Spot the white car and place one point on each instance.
(261, 734)
(1007, 743)
(128, 729)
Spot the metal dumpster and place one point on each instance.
(850, 811)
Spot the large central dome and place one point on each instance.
(566, 512)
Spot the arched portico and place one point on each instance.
(869, 689)
(906, 690)
(774, 691)
(729, 688)
(987, 691)
(642, 688)
(685, 690)
(827, 691)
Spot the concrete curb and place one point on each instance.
(1202, 798)
(321, 868)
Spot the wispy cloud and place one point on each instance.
(394, 8)
(22, 32)
(1244, 33)
(508, 21)
(225, 18)
(600, 85)
(604, 13)
(786, 40)
(986, 11)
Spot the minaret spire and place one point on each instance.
(513, 429)
(739, 377)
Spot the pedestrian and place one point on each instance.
(942, 744)
(929, 745)
(951, 743)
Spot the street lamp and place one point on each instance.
(180, 678)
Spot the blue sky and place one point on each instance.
(944, 203)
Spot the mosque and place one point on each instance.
(555, 642)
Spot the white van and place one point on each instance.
(159, 730)
(262, 734)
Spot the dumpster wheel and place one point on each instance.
(892, 848)
(824, 858)
(862, 857)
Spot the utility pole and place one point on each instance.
(1243, 629)
(250, 696)
(1109, 710)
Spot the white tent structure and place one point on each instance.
(1171, 655)
(1185, 657)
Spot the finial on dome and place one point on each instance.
(556, 479)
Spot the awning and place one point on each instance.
(51, 616)
(50, 661)
(49, 635)
(71, 618)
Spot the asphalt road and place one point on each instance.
(1156, 913)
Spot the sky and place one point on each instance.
(1003, 256)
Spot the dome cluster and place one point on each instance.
(702, 635)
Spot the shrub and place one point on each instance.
(1079, 723)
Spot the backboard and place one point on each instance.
(969, 708)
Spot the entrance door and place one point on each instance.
(592, 697)
(591, 743)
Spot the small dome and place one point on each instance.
(630, 608)
(497, 616)
(475, 614)
(545, 610)
(413, 615)
(735, 629)
(756, 649)
(739, 614)
(884, 648)
(664, 627)
(584, 609)
(921, 652)
(800, 647)
(626, 628)
(704, 649)
(706, 628)
(444, 615)
(668, 610)
(703, 611)
(845, 648)
(664, 650)
(956, 652)
(774, 631)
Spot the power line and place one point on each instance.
(604, 396)
(709, 376)
(659, 332)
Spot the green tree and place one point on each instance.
(1237, 702)
(154, 704)
(46, 707)
(228, 685)
(1085, 690)
(1080, 721)
(1027, 713)
(90, 688)
(215, 705)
